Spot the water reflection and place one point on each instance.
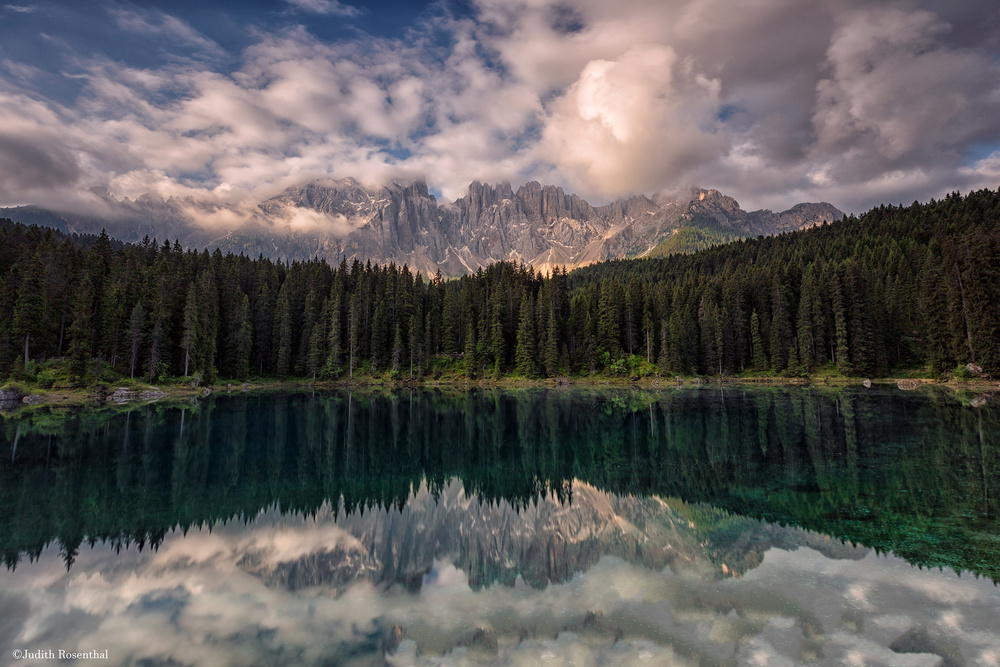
(590, 527)
(915, 474)
(400, 587)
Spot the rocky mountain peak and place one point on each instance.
(401, 222)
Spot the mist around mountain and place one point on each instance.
(403, 223)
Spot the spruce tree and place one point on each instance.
(552, 344)
(843, 357)
(81, 328)
(758, 353)
(189, 337)
(244, 339)
(136, 324)
(30, 304)
(283, 333)
(524, 353)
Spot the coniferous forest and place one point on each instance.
(914, 287)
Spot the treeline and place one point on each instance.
(909, 287)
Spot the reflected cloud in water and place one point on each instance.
(447, 580)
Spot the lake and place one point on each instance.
(698, 526)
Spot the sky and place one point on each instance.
(773, 102)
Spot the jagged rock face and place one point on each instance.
(402, 222)
(540, 225)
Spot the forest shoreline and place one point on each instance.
(135, 394)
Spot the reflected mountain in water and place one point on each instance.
(547, 541)
(329, 589)
(913, 474)
(688, 527)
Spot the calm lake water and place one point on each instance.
(695, 526)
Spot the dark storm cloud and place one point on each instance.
(773, 101)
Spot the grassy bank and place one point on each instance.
(52, 384)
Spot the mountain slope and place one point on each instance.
(401, 222)
(540, 225)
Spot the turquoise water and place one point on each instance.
(699, 526)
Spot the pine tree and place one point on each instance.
(208, 324)
(397, 347)
(552, 344)
(81, 328)
(317, 352)
(189, 337)
(711, 338)
(498, 342)
(781, 330)
(335, 343)
(524, 353)
(283, 333)
(664, 359)
(757, 344)
(30, 304)
(136, 324)
(807, 297)
(354, 329)
(451, 325)
(608, 334)
(244, 339)
(416, 335)
(843, 358)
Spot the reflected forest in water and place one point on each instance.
(917, 474)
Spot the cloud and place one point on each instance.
(634, 124)
(153, 22)
(325, 7)
(21, 9)
(771, 102)
(884, 64)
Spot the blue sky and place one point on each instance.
(222, 104)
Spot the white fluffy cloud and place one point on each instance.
(635, 123)
(770, 102)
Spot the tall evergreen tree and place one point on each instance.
(30, 304)
(524, 353)
(757, 343)
(136, 325)
(189, 336)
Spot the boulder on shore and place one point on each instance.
(121, 395)
(10, 398)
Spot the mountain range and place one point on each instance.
(402, 222)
